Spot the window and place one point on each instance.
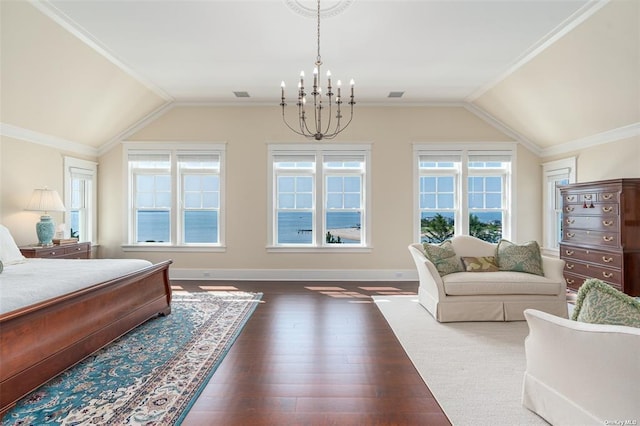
(319, 196)
(80, 194)
(554, 173)
(175, 196)
(463, 191)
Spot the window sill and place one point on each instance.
(302, 249)
(174, 248)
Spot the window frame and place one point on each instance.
(461, 209)
(319, 151)
(553, 171)
(176, 151)
(73, 167)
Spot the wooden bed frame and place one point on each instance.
(40, 341)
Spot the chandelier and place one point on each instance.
(316, 121)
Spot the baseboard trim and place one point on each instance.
(293, 274)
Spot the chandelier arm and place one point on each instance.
(338, 128)
(328, 112)
(304, 128)
(302, 119)
(291, 128)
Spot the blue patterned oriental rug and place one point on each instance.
(152, 375)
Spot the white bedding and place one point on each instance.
(36, 280)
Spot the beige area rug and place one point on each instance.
(474, 369)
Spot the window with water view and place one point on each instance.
(319, 198)
(175, 197)
(463, 192)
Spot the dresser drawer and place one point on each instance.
(611, 260)
(77, 251)
(594, 209)
(574, 281)
(613, 276)
(602, 223)
(600, 238)
(609, 197)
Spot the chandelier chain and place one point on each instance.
(319, 59)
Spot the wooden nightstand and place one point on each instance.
(64, 251)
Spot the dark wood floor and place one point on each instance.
(315, 354)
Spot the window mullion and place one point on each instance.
(319, 215)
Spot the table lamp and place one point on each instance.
(45, 200)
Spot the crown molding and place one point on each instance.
(15, 132)
(143, 122)
(87, 38)
(624, 132)
(556, 34)
(361, 103)
(491, 120)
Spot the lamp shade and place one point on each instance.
(45, 200)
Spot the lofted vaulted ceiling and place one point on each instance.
(432, 50)
(536, 67)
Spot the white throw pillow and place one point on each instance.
(9, 251)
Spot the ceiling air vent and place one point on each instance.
(241, 94)
(395, 94)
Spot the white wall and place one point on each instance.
(619, 159)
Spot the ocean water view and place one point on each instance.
(202, 227)
(296, 227)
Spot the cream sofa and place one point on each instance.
(580, 373)
(488, 296)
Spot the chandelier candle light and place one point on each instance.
(320, 103)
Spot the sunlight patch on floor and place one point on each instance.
(218, 287)
(341, 293)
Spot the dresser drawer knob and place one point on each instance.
(607, 238)
(570, 266)
(607, 196)
(569, 252)
(607, 222)
(568, 209)
(570, 281)
(607, 274)
(571, 197)
(587, 197)
(606, 259)
(53, 253)
(571, 234)
(607, 209)
(570, 221)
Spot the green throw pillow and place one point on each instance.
(444, 257)
(599, 303)
(519, 258)
(480, 264)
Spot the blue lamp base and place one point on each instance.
(45, 229)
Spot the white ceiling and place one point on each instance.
(433, 50)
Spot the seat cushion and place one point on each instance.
(503, 282)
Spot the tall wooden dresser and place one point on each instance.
(601, 233)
